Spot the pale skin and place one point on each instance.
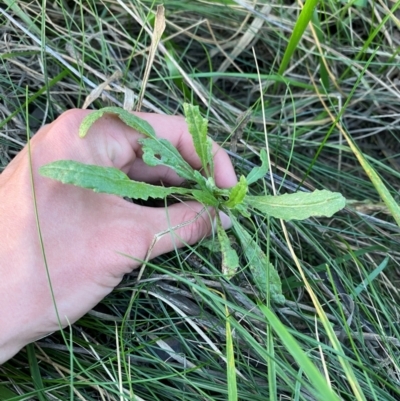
(85, 233)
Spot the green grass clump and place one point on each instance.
(323, 102)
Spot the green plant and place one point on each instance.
(234, 201)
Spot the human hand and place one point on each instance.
(84, 233)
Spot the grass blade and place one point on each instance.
(230, 358)
(314, 375)
(35, 372)
(372, 276)
(298, 30)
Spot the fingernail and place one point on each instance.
(225, 221)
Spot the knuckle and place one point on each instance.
(72, 115)
(69, 121)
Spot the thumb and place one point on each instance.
(183, 224)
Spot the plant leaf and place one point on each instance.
(128, 118)
(211, 244)
(242, 209)
(237, 193)
(298, 206)
(230, 259)
(201, 180)
(107, 180)
(197, 126)
(258, 172)
(205, 197)
(160, 152)
(264, 273)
